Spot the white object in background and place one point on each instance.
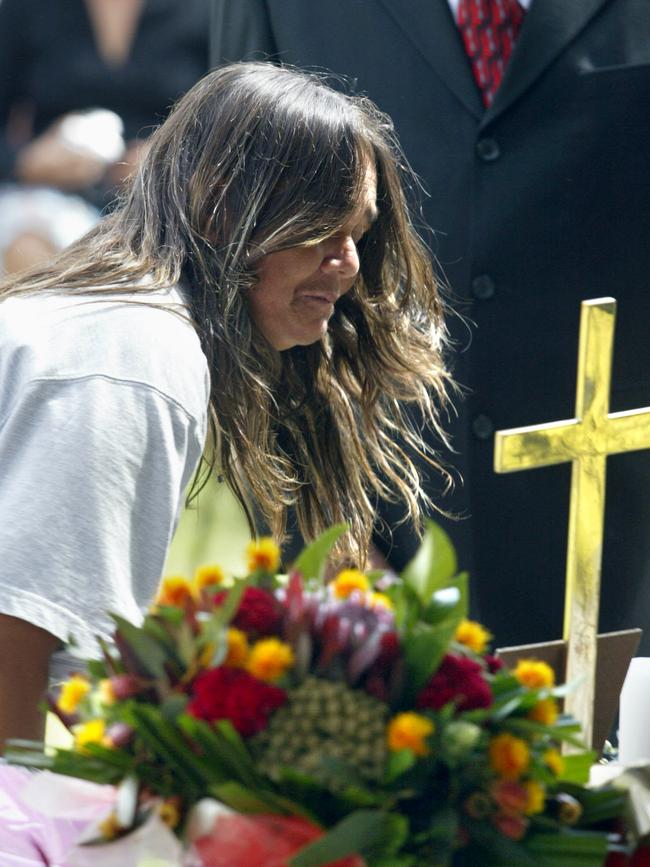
(97, 131)
(634, 714)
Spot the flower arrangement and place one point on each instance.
(360, 721)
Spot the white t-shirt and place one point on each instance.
(103, 416)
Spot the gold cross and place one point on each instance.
(586, 440)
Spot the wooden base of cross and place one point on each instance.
(613, 655)
(585, 440)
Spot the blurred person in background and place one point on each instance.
(261, 274)
(529, 124)
(82, 85)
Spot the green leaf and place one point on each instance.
(433, 566)
(568, 849)
(423, 651)
(165, 740)
(224, 754)
(399, 763)
(96, 668)
(312, 561)
(242, 799)
(577, 767)
(172, 707)
(149, 652)
(359, 831)
(451, 601)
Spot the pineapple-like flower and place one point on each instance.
(324, 728)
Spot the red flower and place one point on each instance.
(259, 611)
(389, 649)
(641, 857)
(460, 680)
(235, 695)
(493, 663)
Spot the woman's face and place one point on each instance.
(297, 288)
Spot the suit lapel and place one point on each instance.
(548, 27)
(430, 26)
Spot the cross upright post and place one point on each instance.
(585, 440)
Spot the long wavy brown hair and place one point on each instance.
(258, 158)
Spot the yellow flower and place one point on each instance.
(110, 827)
(349, 580)
(269, 659)
(544, 712)
(472, 635)
(73, 691)
(238, 649)
(534, 673)
(509, 756)
(263, 554)
(91, 732)
(408, 731)
(169, 812)
(207, 576)
(379, 600)
(535, 796)
(106, 691)
(554, 761)
(174, 590)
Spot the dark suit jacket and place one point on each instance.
(537, 203)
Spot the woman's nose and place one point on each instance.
(341, 256)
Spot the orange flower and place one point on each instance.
(509, 756)
(263, 554)
(544, 712)
(472, 635)
(73, 691)
(207, 576)
(238, 649)
(534, 673)
(536, 795)
(269, 659)
(408, 731)
(554, 762)
(174, 590)
(348, 581)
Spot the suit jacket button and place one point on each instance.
(488, 150)
(482, 427)
(483, 287)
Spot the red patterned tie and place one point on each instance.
(489, 29)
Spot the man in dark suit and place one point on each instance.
(538, 201)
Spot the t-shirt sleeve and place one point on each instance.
(93, 473)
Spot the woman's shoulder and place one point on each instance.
(143, 339)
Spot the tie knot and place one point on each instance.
(489, 29)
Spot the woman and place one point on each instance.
(262, 272)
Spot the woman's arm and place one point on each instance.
(25, 652)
